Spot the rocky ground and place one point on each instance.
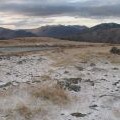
(80, 83)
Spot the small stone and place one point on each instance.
(75, 88)
(115, 68)
(80, 68)
(91, 82)
(92, 64)
(20, 62)
(93, 106)
(66, 72)
(8, 73)
(74, 80)
(78, 115)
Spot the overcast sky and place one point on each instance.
(17, 14)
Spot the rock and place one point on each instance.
(93, 107)
(63, 84)
(66, 72)
(4, 58)
(115, 68)
(70, 84)
(92, 64)
(41, 59)
(103, 79)
(116, 83)
(8, 73)
(80, 68)
(74, 80)
(78, 115)
(91, 82)
(106, 75)
(75, 88)
(6, 85)
(20, 62)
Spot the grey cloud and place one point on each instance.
(89, 8)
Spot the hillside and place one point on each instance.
(105, 33)
(58, 31)
(102, 33)
(8, 33)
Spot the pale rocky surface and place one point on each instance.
(98, 78)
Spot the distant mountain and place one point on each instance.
(22, 33)
(8, 33)
(102, 33)
(105, 33)
(101, 36)
(58, 31)
(105, 26)
(5, 33)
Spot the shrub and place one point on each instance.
(115, 50)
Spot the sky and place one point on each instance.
(27, 14)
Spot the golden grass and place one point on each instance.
(87, 54)
(24, 111)
(114, 59)
(52, 93)
(27, 112)
(45, 77)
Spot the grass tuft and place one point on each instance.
(52, 93)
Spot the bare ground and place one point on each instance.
(73, 81)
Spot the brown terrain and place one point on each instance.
(68, 81)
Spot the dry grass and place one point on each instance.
(53, 93)
(115, 59)
(36, 41)
(24, 111)
(45, 77)
(78, 54)
(27, 112)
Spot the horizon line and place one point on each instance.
(60, 25)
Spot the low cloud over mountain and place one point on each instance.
(19, 13)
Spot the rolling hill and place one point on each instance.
(105, 33)
(9, 34)
(58, 31)
(102, 33)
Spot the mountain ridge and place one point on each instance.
(9, 33)
(105, 32)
